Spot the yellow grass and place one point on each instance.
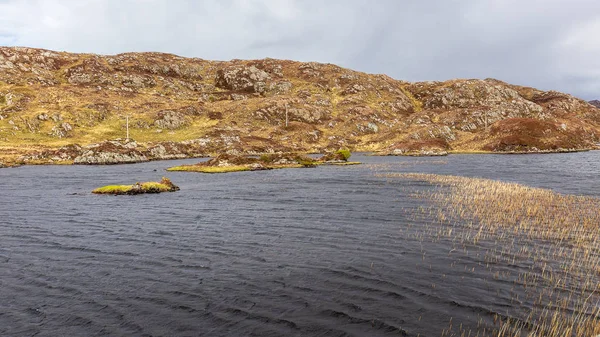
(113, 189)
(164, 185)
(209, 169)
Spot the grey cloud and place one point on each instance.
(550, 44)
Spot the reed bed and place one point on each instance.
(549, 240)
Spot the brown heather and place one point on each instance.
(53, 99)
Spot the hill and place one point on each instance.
(61, 107)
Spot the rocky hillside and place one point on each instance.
(595, 103)
(61, 107)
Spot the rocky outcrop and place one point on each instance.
(187, 107)
(60, 131)
(170, 120)
(54, 156)
(243, 79)
(225, 163)
(119, 151)
(111, 152)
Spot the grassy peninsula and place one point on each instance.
(225, 163)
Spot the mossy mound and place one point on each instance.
(165, 185)
(225, 163)
(339, 157)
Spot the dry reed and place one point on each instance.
(551, 238)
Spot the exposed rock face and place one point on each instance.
(190, 107)
(118, 151)
(170, 120)
(595, 103)
(61, 131)
(240, 78)
(111, 152)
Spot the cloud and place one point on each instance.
(550, 44)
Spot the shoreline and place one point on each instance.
(5, 165)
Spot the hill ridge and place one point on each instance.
(51, 99)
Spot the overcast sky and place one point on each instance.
(549, 44)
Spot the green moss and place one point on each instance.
(113, 189)
(344, 152)
(154, 187)
(265, 158)
(165, 185)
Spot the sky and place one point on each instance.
(548, 44)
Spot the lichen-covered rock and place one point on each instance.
(466, 94)
(60, 155)
(174, 150)
(353, 89)
(138, 81)
(61, 131)
(242, 78)
(91, 157)
(111, 152)
(91, 71)
(170, 120)
(281, 87)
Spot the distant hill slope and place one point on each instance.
(595, 103)
(53, 99)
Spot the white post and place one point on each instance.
(486, 121)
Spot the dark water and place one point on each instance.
(307, 252)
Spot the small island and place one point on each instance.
(165, 185)
(225, 163)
